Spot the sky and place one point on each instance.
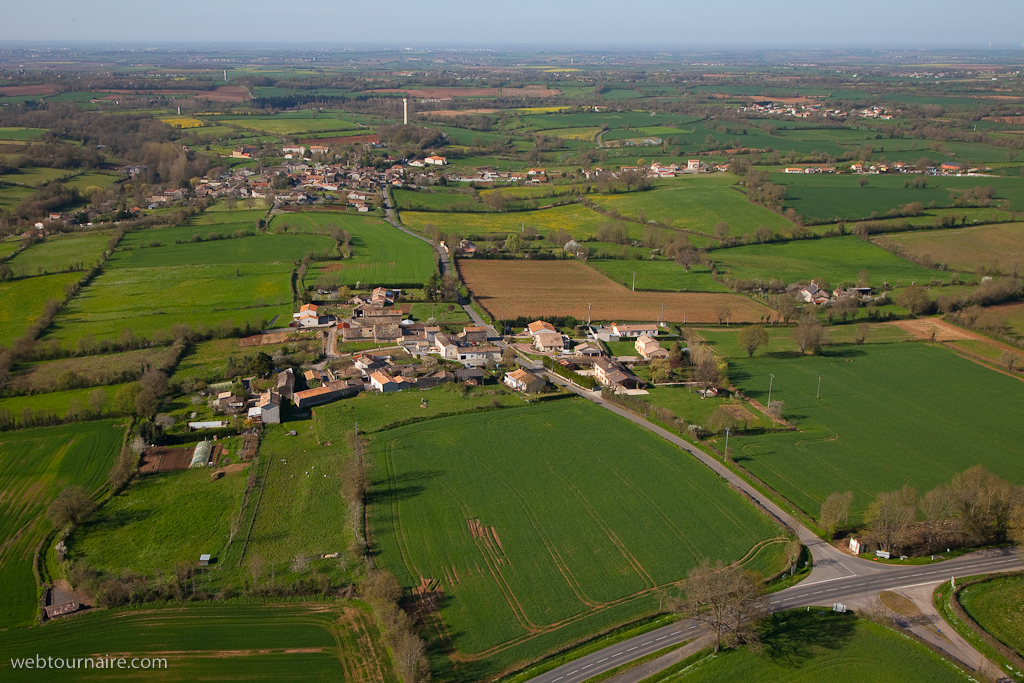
(567, 24)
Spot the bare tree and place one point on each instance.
(751, 338)
(1015, 527)
(835, 511)
(728, 601)
(891, 518)
(723, 313)
(72, 505)
(1009, 360)
(810, 334)
(775, 409)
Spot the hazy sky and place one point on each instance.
(677, 24)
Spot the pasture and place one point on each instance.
(45, 376)
(57, 402)
(996, 606)
(569, 521)
(508, 289)
(780, 339)
(381, 255)
(35, 465)
(160, 520)
(268, 641)
(282, 125)
(698, 207)
(22, 301)
(16, 133)
(579, 221)
(32, 176)
(814, 648)
(889, 415)
(281, 250)
(148, 301)
(996, 247)
(831, 260)
(58, 253)
(665, 276)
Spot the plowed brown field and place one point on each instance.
(19, 90)
(511, 289)
(440, 93)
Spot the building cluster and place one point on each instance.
(816, 295)
(946, 168)
(800, 111)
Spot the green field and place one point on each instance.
(160, 520)
(265, 641)
(578, 220)
(35, 465)
(14, 133)
(44, 376)
(381, 255)
(698, 207)
(281, 250)
(282, 125)
(998, 247)
(438, 201)
(888, 415)
(532, 579)
(724, 342)
(55, 254)
(22, 301)
(32, 176)
(809, 647)
(55, 402)
(151, 300)
(658, 275)
(996, 606)
(830, 260)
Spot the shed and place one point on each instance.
(204, 559)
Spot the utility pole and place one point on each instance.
(770, 390)
(634, 282)
(819, 387)
(588, 314)
(725, 455)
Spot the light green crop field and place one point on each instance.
(150, 300)
(831, 259)
(381, 255)
(724, 342)
(812, 648)
(22, 301)
(666, 276)
(276, 249)
(437, 201)
(544, 523)
(12, 195)
(92, 179)
(60, 253)
(287, 126)
(697, 207)
(889, 415)
(998, 247)
(578, 220)
(16, 133)
(35, 465)
(160, 520)
(996, 606)
(221, 641)
(55, 402)
(32, 176)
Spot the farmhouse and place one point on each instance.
(538, 326)
(649, 348)
(383, 382)
(525, 381)
(286, 383)
(635, 330)
(331, 391)
(436, 161)
(474, 335)
(269, 406)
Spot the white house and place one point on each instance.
(635, 329)
(436, 161)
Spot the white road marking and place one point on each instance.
(662, 638)
(587, 666)
(600, 660)
(647, 643)
(631, 649)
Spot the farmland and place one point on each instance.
(831, 260)
(489, 527)
(995, 606)
(579, 221)
(62, 253)
(160, 520)
(803, 646)
(697, 206)
(536, 288)
(381, 255)
(151, 300)
(22, 301)
(658, 275)
(286, 125)
(35, 465)
(91, 369)
(874, 427)
(995, 247)
(269, 641)
(57, 403)
(280, 249)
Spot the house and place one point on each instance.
(794, 169)
(635, 330)
(467, 248)
(319, 149)
(813, 294)
(436, 161)
(286, 383)
(435, 380)
(365, 363)
(294, 149)
(474, 335)
(269, 405)
(478, 355)
(952, 167)
(693, 164)
(549, 342)
(649, 348)
(315, 376)
(382, 296)
(445, 346)
(538, 326)
(383, 382)
(470, 375)
(613, 375)
(330, 391)
(306, 312)
(587, 350)
(525, 381)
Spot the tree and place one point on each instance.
(915, 299)
(863, 330)
(261, 364)
(775, 409)
(721, 230)
(495, 200)
(72, 505)
(97, 401)
(124, 399)
(751, 338)
(726, 600)
(835, 511)
(513, 244)
(1009, 360)
(706, 372)
(891, 517)
(722, 312)
(810, 334)
(1015, 528)
(687, 258)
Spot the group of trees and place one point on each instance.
(976, 507)
(382, 592)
